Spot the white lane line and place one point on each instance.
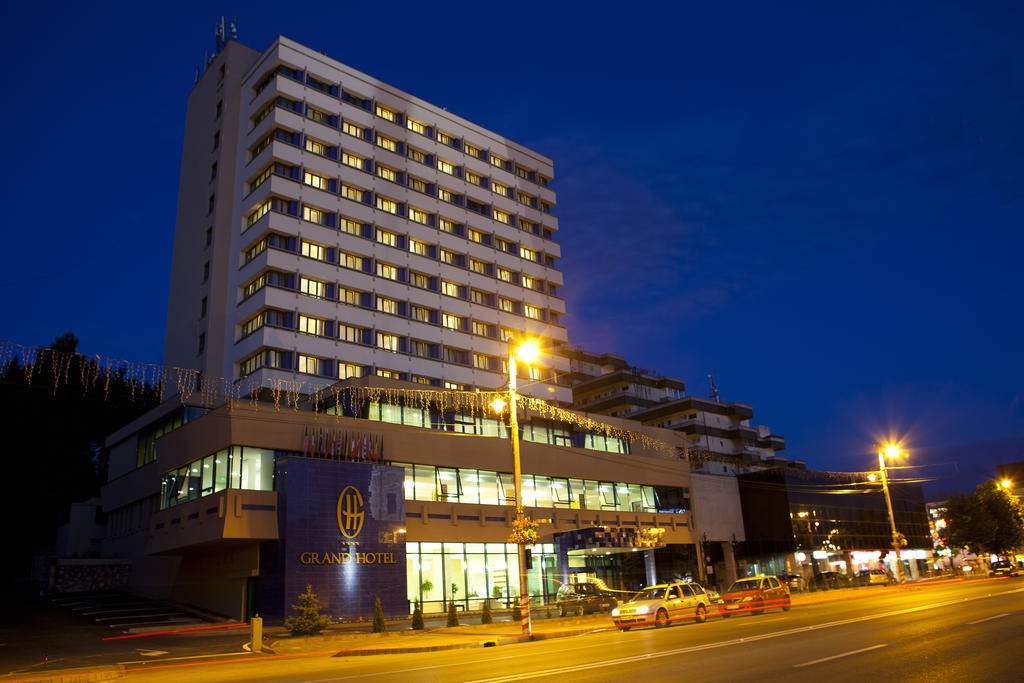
(978, 621)
(176, 659)
(840, 656)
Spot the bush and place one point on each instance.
(307, 620)
(417, 617)
(378, 617)
(517, 612)
(453, 617)
(486, 617)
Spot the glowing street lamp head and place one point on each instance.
(498, 405)
(527, 351)
(1006, 483)
(872, 477)
(890, 450)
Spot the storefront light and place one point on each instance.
(819, 554)
(800, 557)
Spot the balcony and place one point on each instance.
(232, 515)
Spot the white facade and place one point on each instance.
(352, 229)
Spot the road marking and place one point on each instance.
(151, 653)
(175, 659)
(840, 656)
(978, 621)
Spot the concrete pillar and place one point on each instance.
(256, 643)
(849, 563)
(730, 565)
(652, 570)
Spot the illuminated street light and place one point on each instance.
(526, 351)
(892, 451)
(1006, 484)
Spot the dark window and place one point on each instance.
(211, 204)
(220, 110)
(209, 236)
(202, 342)
(206, 271)
(216, 140)
(213, 171)
(202, 308)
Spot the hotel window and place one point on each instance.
(424, 349)
(420, 280)
(202, 307)
(255, 250)
(446, 195)
(499, 189)
(505, 275)
(447, 225)
(528, 254)
(386, 305)
(353, 193)
(388, 205)
(388, 374)
(418, 156)
(526, 199)
(350, 296)
(451, 321)
(322, 117)
(446, 139)
(471, 150)
(497, 161)
(387, 270)
(386, 114)
(386, 173)
(483, 329)
(308, 364)
(453, 355)
(528, 226)
(350, 260)
(452, 258)
(387, 143)
(314, 180)
(316, 147)
(482, 298)
(354, 161)
(388, 342)
(253, 324)
(211, 203)
(453, 386)
(445, 166)
(348, 370)
(348, 333)
(313, 288)
(481, 361)
(419, 216)
(257, 213)
(386, 237)
(507, 334)
(421, 248)
(352, 129)
(216, 140)
(450, 288)
(479, 267)
(419, 185)
(522, 172)
(475, 235)
(313, 250)
(475, 178)
(213, 170)
(543, 181)
(350, 226)
(501, 217)
(314, 215)
(202, 342)
(415, 126)
(533, 312)
(206, 271)
(310, 325)
(421, 314)
(507, 305)
(420, 379)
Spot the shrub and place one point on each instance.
(307, 620)
(486, 617)
(417, 617)
(378, 617)
(453, 617)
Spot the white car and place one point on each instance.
(663, 604)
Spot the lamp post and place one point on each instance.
(527, 352)
(891, 450)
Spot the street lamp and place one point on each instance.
(892, 451)
(527, 351)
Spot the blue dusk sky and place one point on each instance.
(822, 206)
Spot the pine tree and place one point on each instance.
(307, 620)
(486, 617)
(378, 617)
(453, 618)
(417, 617)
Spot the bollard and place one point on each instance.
(256, 633)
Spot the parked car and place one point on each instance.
(581, 598)
(663, 604)
(873, 577)
(824, 580)
(1005, 568)
(754, 595)
(796, 582)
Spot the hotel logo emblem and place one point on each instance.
(350, 512)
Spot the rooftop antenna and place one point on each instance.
(234, 29)
(714, 390)
(219, 33)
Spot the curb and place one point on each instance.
(485, 642)
(94, 675)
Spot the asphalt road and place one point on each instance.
(947, 632)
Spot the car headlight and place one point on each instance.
(641, 610)
(615, 612)
(747, 599)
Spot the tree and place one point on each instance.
(307, 620)
(989, 520)
(417, 617)
(453, 617)
(486, 617)
(378, 617)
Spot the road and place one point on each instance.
(946, 632)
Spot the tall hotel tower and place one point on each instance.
(332, 226)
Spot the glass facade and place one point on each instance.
(237, 467)
(469, 573)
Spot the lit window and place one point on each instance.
(446, 195)
(419, 216)
(522, 172)
(348, 333)
(447, 225)
(316, 147)
(532, 312)
(350, 226)
(525, 199)
(482, 329)
(450, 257)
(418, 185)
(386, 305)
(418, 156)
(507, 334)
(310, 325)
(446, 139)
(452, 322)
(388, 238)
(528, 226)
(501, 216)
(504, 275)
(257, 213)
(314, 180)
(348, 370)
(419, 280)
(445, 166)
(313, 215)
(386, 270)
(311, 287)
(415, 126)
(353, 193)
(417, 247)
(353, 130)
(387, 374)
(449, 288)
(475, 178)
(387, 143)
(388, 342)
(506, 305)
(352, 160)
(386, 114)
(497, 161)
(475, 235)
(499, 189)
(481, 361)
(420, 314)
(308, 364)
(349, 296)
(483, 298)
(528, 254)
(528, 282)
(387, 173)
(454, 386)
(471, 150)
(313, 250)
(478, 266)
(385, 204)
